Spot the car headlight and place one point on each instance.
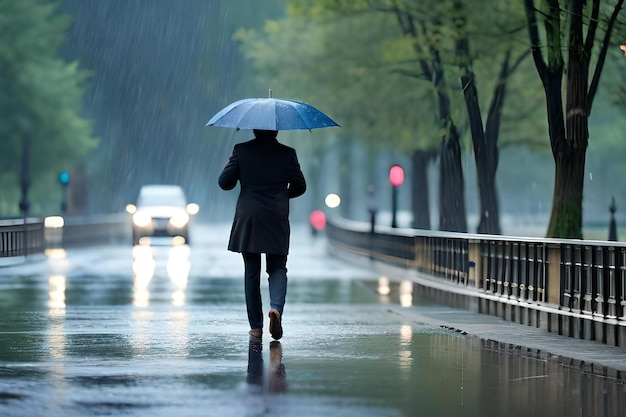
(141, 220)
(180, 220)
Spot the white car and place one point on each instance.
(161, 211)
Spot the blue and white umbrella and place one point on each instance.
(271, 114)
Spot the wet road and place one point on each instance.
(163, 332)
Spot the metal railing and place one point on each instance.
(582, 280)
(514, 268)
(21, 237)
(592, 278)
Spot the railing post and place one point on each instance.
(620, 280)
(554, 273)
(475, 265)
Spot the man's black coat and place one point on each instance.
(269, 174)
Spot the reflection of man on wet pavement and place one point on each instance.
(277, 373)
(255, 362)
(277, 378)
(269, 174)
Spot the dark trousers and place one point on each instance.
(277, 277)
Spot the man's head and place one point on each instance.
(265, 134)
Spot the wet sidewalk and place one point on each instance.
(98, 333)
(497, 333)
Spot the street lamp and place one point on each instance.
(25, 177)
(64, 180)
(372, 207)
(24, 184)
(396, 178)
(332, 200)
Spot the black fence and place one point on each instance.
(21, 237)
(573, 287)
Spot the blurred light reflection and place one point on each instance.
(55, 253)
(406, 293)
(144, 267)
(143, 271)
(141, 337)
(178, 335)
(55, 342)
(56, 295)
(178, 267)
(405, 353)
(383, 286)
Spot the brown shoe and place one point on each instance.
(276, 328)
(256, 333)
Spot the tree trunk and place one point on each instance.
(419, 187)
(569, 135)
(486, 155)
(452, 186)
(566, 216)
(489, 209)
(551, 74)
(560, 220)
(490, 204)
(451, 180)
(569, 158)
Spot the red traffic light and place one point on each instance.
(396, 175)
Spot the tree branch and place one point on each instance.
(553, 35)
(533, 33)
(593, 26)
(593, 88)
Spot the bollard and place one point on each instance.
(612, 223)
(372, 207)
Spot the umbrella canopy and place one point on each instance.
(271, 114)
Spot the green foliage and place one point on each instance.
(352, 67)
(40, 96)
(352, 59)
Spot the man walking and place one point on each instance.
(269, 174)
